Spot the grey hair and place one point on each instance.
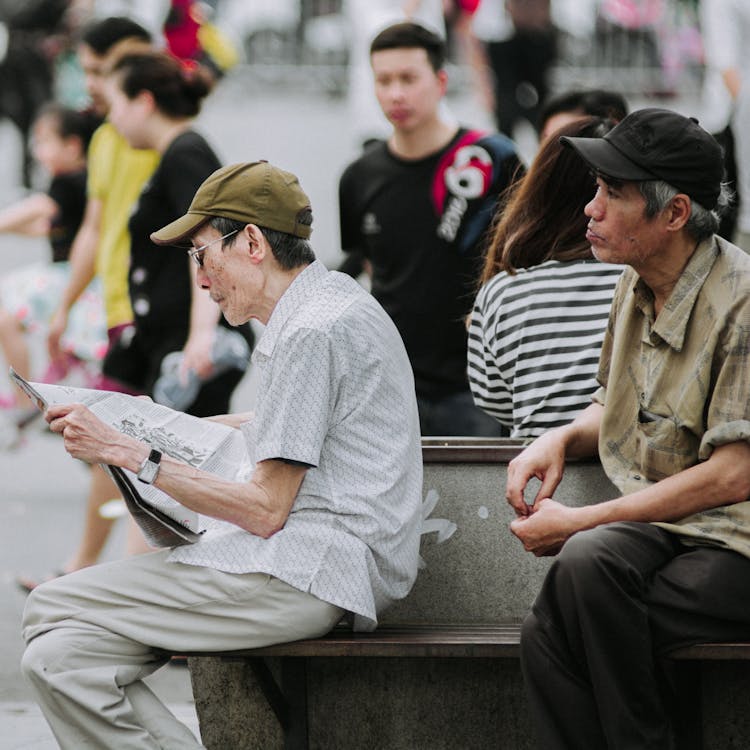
(702, 222)
(289, 251)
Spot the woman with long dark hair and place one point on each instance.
(538, 321)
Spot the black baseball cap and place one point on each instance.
(658, 144)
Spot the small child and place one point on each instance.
(30, 295)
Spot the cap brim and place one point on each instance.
(603, 157)
(180, 230)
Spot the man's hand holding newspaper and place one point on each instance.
(96, 423)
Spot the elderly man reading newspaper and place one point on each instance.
(327, 523)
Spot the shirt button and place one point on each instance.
(637, 477)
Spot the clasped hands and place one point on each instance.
(544, 525)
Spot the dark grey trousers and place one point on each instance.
(616, 599)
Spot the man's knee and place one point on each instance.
(581, 556)
(46, 643)
(593, 564)
(43, 606)
(588, 564)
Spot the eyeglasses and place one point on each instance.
(197, 252)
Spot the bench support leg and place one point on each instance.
(294, 685)
(289, 700)
(688, 714)
(270, 688)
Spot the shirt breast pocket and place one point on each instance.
(664, 446)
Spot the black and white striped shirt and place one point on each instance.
(534, 342)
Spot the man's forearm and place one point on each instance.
(581, 436)
(260, 506)
(545, 458)
(724, 479)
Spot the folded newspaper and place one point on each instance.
(207, 445)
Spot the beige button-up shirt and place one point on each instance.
(677, 386)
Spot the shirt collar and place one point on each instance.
(304, 286)
(671, 325)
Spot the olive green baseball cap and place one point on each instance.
(254, 193)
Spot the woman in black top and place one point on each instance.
(153, 99)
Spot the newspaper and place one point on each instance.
(207, 445)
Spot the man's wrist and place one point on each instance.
(132, 456)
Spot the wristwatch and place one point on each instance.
(150, 467)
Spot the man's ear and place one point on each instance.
(678, 212)
(256, 243)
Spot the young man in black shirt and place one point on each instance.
(416, 208)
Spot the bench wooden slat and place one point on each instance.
(457, 640)
(447, 640)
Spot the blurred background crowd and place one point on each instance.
(637, 47)
(507, 61)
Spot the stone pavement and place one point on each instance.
(24, 727)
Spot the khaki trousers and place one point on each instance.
(92, 636)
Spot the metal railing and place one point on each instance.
(647, 61)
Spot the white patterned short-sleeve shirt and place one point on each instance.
(335, 392)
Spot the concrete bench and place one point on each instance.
(442, 669)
